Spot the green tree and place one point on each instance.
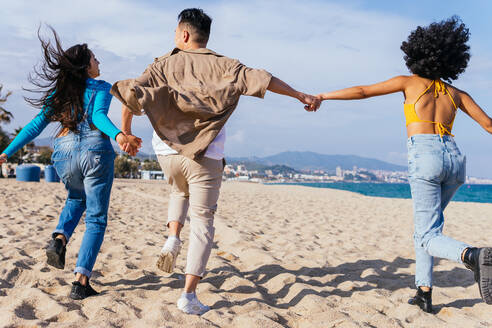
(4, 142)
(125, 167)
(5, 115)
(151, 165)
(18, 157)
(4, 139)
(45, 156)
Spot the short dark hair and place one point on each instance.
(438, 51)
(199, 21)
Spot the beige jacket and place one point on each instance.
(188, 96)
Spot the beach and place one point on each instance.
(284, 256)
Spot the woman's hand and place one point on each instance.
(3, 158)
(128, 143)
(320, 98)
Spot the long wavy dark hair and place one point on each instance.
(61, 81)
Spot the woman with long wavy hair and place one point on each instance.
(436, 166)
(83, 155)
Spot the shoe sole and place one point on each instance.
(420, 305)
(166, 262)
(79, 297)
(485, 267)
(54, 259)
(194, 311)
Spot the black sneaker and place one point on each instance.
(56, 253)
(479, 260)
(79, 291)
(423, 300)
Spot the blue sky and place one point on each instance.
(313, 45)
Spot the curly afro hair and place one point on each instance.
(438, 51)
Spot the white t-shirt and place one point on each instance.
(214, 151)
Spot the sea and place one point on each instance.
(467, 193)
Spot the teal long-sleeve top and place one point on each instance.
(99, 108)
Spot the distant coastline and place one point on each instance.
(310, 167)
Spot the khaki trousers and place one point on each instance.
(194, 185)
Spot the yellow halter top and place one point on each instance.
(411, 115)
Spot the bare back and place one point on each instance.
(432, 106)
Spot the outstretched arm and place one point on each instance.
(26, 135)
(393, 85)
(255, 82)
(471, 108)
(278, 86)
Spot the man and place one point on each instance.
(188, 95)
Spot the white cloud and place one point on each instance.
(313, 45)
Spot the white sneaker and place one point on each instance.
(192, 307)
(169, 253)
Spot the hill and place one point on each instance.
(315, 161)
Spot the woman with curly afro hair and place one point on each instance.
(436, 166)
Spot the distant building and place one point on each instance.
(152, 175)
(228, 169)
(339, 172)
(241, 168)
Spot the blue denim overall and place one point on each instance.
(85, 163)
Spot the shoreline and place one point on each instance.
(324, 185)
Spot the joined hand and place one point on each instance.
(312, 103)
(129, 143)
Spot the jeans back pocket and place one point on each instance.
(99, 162)
(428, 166)
(62, 163)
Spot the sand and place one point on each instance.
(284, 256)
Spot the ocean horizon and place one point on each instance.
(478, 193)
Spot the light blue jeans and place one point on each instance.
(85, 163)
(436, 169)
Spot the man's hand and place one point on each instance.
(312, 103)
(129, 143)
(3, 158)
(133, 145)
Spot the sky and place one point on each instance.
(314, 46)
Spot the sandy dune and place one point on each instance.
(285, 256)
